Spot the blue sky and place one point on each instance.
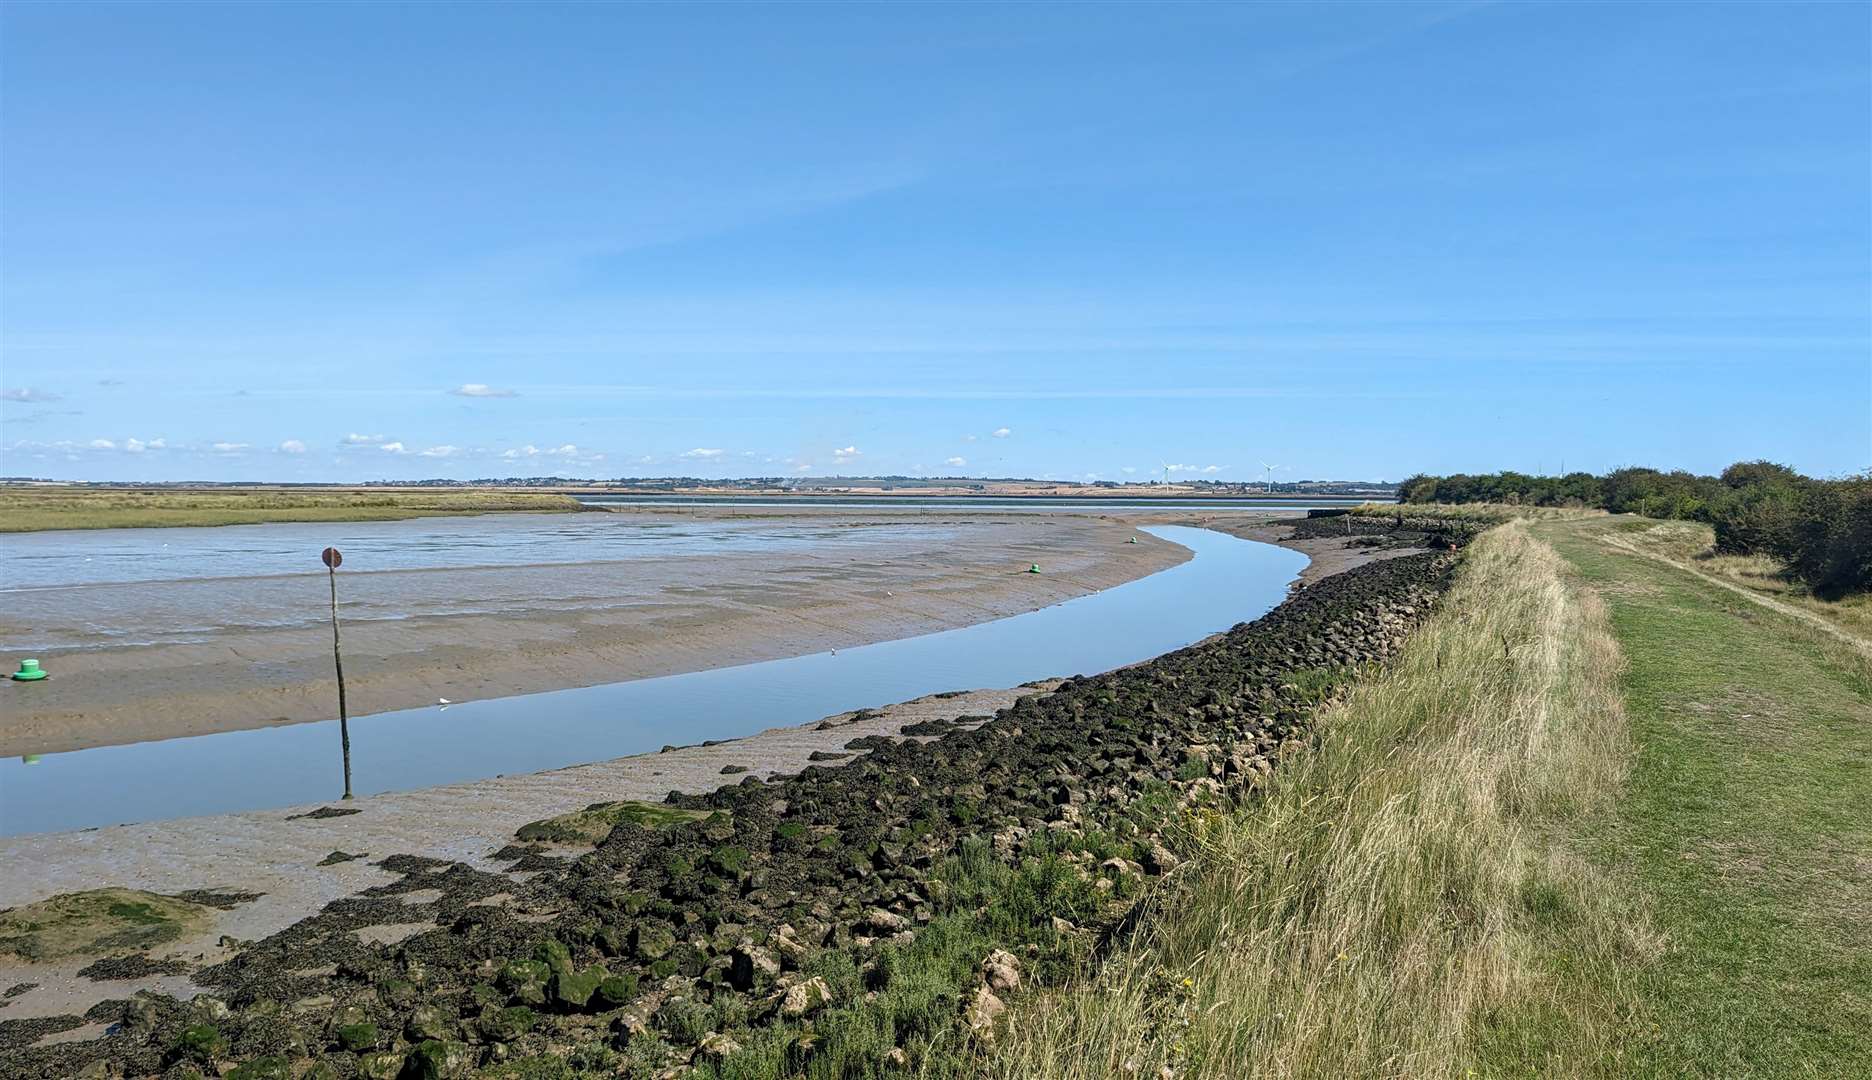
(341, 242)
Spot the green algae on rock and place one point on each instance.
(96, 922)
(592, 824)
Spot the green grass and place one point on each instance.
(40, 509)
(1746, 826)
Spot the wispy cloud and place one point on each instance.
(955, 462)
(1001, 432)
(475, 389)
(393, 448)
(846, 453)
(354, 439)
(292, 446)
(441, 451)
(28, 394)
(103, 444)
(229, 447)
(702, 453)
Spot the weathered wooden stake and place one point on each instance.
(332, 560)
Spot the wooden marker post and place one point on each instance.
(333, 559)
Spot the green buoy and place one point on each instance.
(29, 759)
(29, 671)
(1133, 540)
(1034, 569)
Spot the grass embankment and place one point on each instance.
(1747, 822)
(1403, 901)
(37, 510)
(1612, 818)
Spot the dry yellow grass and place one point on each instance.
(1401, 902)
(39, 509)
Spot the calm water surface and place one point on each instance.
(1228, 581)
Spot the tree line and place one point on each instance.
(1821, 530)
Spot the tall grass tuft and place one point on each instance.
(1401, 901)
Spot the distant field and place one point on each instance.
(37, 510)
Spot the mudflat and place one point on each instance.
(656, 615)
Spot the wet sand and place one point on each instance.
(661, 616)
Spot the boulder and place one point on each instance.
(439, 1059)
(981, 1013)
(1001, 971)
(806, 997)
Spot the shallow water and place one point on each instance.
(1228, 581)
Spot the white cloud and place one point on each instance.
(28, 394)
(292, 446)
(971, 438)
(441, 451)
(158, 444)
(529, 450)
(568, 450)
(846, 453)
(135, 446)
(354, 439)
(1128, 469)
(703, 452)
(956, 462)
(475, 389)
(393, 448)
(1001, 432)
(228, 447)
(1196, 468)
(103, 444)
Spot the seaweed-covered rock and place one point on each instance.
(440, 1060)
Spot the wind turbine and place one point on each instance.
(1166, 468)
(1270, 475)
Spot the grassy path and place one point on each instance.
(1746, 826)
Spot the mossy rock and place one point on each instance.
(728, 859)
(382, 1065)
(591, 825)
(199, 1042)
(652, 942)
(439, 1060)
(553, 953)
(506, 1025)
(617, 990)
(98, 922)
(574, 989)
(525, 981)
(266, 1068)
(357, 1037)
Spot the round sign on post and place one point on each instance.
(332, 558)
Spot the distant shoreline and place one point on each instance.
(43, 507)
